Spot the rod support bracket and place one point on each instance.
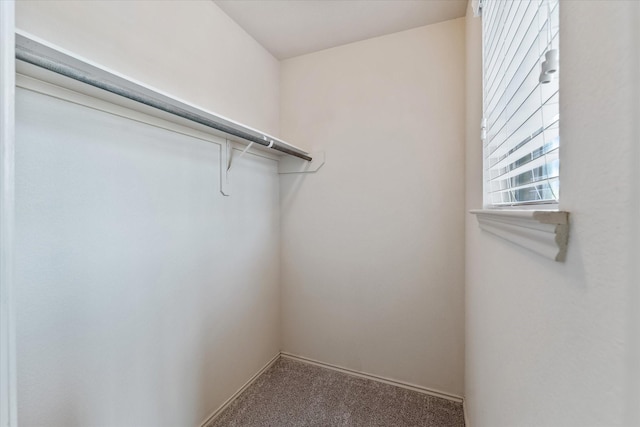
(225, 165)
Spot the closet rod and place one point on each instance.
(49, 62)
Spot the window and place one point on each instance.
(520, 102)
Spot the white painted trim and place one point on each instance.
(235, 395)
(467, 423)
(8, 406)
(408, 386)
(544, 232)
(424, 390)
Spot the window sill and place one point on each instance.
(543, 232)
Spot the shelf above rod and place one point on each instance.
(45, 55)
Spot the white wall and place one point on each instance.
(372, 245)
(144, 297)
(555, 344)
(190, 49)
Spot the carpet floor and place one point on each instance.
(292, 393)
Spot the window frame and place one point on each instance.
(539, 227)
(550, 205)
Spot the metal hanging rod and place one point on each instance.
(40, 54)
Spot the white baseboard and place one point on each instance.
(419, 389)
(235, 395)
(408, 386)
(464, 412)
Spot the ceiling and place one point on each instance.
(289, 28)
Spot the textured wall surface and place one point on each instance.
(555, 344)
(135, 304)
(373, 244)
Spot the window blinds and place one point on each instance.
(520, 123)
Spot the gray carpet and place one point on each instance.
(292, 393)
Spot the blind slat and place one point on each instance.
(502, 36)
(513, 94)
(527, 22)
(541, 168)
(524, 126)
(542, 144)
(518, 43)
(496, 28)
(542, 192)
(530, 47)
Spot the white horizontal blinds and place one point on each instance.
(521, 114)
